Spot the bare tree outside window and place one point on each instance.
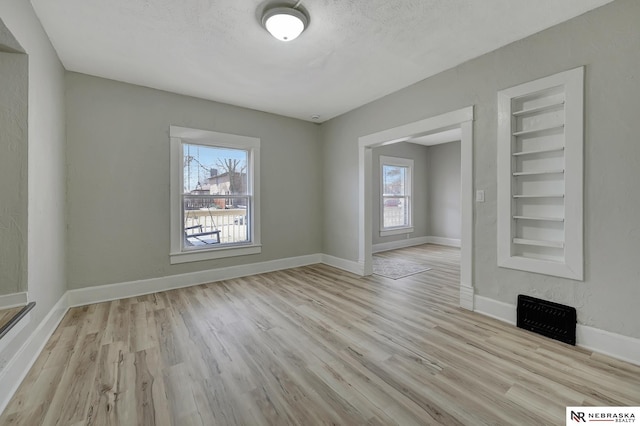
(237, 173)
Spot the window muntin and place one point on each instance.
(395, 195)
(214, 195)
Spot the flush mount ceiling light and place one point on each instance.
(285, 23)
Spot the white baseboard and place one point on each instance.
(418, 241)
(13, 300)
(344, 264)
(104, 293)
(393, 245)
(612, 344)
(615, 345)
(505, 312)
(17, 368)
(452, 242)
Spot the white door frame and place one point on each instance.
(462, 118)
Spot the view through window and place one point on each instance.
(216, 198)
(396, 192)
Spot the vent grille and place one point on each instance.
(547, 318)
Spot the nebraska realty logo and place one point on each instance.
(578, 415)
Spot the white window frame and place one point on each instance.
(397, 162)
(180, 135)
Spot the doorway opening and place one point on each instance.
(461, 122)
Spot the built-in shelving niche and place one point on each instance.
(540, 183)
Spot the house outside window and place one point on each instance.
(215, 200)
(395, 196)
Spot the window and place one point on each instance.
(395, 189)
(214, 195)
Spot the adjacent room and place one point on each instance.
(319, 212)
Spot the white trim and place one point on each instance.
(622, 347)
(13, 300)
(612, 344)
(451, 242)
(215, 253)
(17, 368)
(393, 245)
(462, 118)
(408, 131)
(466, 297)
(227, 140)
(104, 293)
(365, 160)
(502, 311)
(344, 264)
(466, 205)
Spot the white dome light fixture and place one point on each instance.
(285, 23)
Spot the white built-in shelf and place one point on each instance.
(539, 172)
(540, 159)
(538, 130)
(538, 151)
(540, 109)
(539, 243)
(550, 219)
(538, 196)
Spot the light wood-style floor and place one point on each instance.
(307, 346)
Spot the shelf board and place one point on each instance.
(538, 196)
(539, 243)
(540, 130)
(544, 108)
(539, 172)
(549, 219)
(538, 151)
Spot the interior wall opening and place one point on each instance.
(456, 125)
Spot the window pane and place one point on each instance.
(215, 196)
(214, 171)
(395, 212)
(211, 220)
(394, 180)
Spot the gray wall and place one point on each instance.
(606, 40)
(46, 159)
(118, 180)
(444, 190)
(13, 170)
(420, 157)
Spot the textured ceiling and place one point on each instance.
(354, 51)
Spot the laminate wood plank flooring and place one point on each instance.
(311, 346)
(7, 314)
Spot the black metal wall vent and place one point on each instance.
(547, 318)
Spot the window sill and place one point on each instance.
(396, 231)
(215, 253)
